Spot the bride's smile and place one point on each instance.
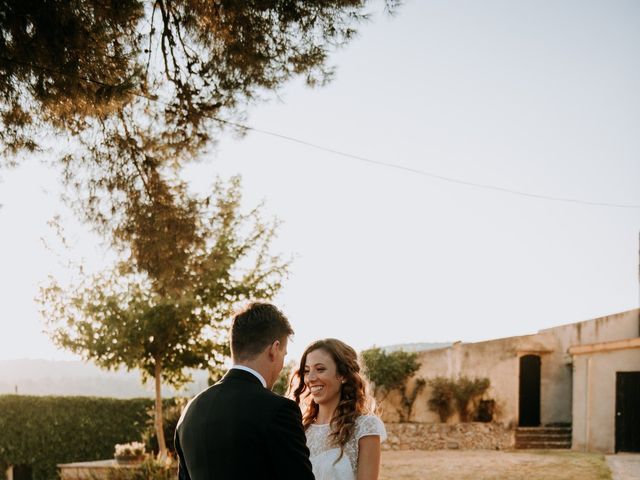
(322, 379)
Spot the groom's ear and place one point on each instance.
(273, 349)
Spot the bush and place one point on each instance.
(170, 416)
(408, 399)
(447, 393)
(282, 383)
(441, 397)
(389, 371)
(466, 390)
(44, 431)
(150, 469)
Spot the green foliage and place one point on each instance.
(150, 469)
(45, 431)
(408, 398)
(441, 397)
(166, 313)
(170, 416)
(205, 58)
(389, 371)
(147, 311)
(282, 383)
(466, 390)
(135, 89)
(448, 393)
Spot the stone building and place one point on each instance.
(582, 379)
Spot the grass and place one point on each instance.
(493, 465)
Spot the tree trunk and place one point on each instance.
(162, 444)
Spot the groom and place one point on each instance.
(238, 428)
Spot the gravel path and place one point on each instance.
(494, 465)
(624, 466)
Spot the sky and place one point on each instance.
(541, 97)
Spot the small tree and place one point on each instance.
(441, 398)
(465, 390)
(164, 309)
(391, 371)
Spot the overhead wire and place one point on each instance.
(360, 158)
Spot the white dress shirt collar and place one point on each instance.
(251, 370)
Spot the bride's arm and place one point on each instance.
(368, 458)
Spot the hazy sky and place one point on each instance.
(537, 96)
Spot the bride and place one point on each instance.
(343, 435)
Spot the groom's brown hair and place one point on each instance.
(256, 327)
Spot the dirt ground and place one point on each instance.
(493, 465)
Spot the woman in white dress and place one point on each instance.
(343, 434)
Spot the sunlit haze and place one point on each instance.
(535, 96)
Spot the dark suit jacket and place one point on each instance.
(237, 430)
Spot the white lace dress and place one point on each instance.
(324, 454)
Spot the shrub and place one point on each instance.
(170, 416)
(150, 469)
(448, 393)
(282, 383)
(390, 371)
(441, 397)
(408, 399)
(466, 390)
(44, 431)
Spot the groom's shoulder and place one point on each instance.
(272, 402)
(273, 398)
(235, 390)
(277, 408)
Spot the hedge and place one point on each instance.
(44, 431)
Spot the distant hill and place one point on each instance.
(416, 347)
(45, 377)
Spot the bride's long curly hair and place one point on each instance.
(355, 399)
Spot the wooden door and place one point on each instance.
(529, 391)
(628, 412)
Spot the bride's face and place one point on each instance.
(321, 377)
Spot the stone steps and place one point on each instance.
(543, 438)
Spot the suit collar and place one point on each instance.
(235, 373)
(252, 371)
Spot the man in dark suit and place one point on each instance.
(238, 429)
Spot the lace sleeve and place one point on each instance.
(370, 425)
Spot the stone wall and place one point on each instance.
(442, 436)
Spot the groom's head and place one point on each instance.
(259, 337)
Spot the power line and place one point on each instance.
(430, 174)
(350, 155)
